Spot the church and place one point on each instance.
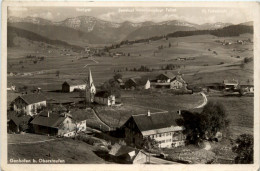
(99, 97)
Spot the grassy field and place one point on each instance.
(240, 111)
(69, 150)
(205, 64)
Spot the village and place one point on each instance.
(82, 89)
(32, 113)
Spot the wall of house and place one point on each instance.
(176, 84)
(81, 87)
(169, 139)
(20, 105)
(67, 126)
(38, 129)
(133, 136)
(32, 108)
(65, 88)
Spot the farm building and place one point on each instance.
(161, 127)
(230, 84)
(128, 155)
(17, 124)
(121, 83)
(11, 87)
(49, 123)
(29, 103)
(169, 81)
(72, 85)
(247, 87)
(103, 97)
(130, 84)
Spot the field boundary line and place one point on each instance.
(33, 142)
(162, 110)
(95, 113)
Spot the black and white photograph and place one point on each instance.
(135, 83)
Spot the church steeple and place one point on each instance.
(90, 89)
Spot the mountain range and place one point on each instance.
(83, 30)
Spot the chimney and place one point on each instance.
(148, 113)
(48, 114)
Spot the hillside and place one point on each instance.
(90, 30)
(16, 32)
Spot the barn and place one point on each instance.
(72, 85)
(104, 98)
(49, 123)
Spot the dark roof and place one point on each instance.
(19, 120)
(33, 98)
(168, 75)
(54, 120)
(155, 121)
(103, 94)
(75, 82)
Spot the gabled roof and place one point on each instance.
(169, 75)
(155, 121)
(179, 78)
(103, 94)
(54, 120)
(19, 120)
(119, 80)
(132, 80)
(74, 82)
(32, 98)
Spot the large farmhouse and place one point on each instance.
(161, 127)
(168, 80)
(29, 103)
(72, 85)
(49, 123)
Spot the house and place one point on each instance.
(168, 80)
(130, 84)
(247, 87)
(230, 84)
(127, 155)
(72, 85)
(11, 87)
(104, 98)
(120, 82)
(17, 124)
(49, 123)
(161, 127)
(29, 103)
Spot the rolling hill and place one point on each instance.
(13, 32)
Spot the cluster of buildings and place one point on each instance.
(245, 86)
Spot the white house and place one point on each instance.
(147, 85)
(29, 103)
(72, 85)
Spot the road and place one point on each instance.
(204, 102)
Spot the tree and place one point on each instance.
(244, 149)
(213, 118)
(118, 76)
(149, 143)
(112, 88)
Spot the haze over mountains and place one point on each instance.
(84, 30)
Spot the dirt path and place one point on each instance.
(34, 142)
(204, 102)
(100, 120)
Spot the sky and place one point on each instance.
(195, 15)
